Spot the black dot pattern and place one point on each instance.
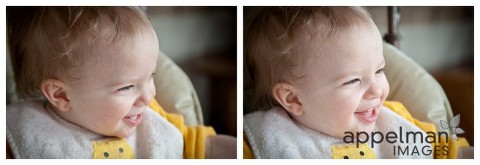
(345, 157)
(361, 153)
(105, 154)
(120, 150)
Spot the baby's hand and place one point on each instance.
(221, 147)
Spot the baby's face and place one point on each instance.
(344, 86)
(116, 86)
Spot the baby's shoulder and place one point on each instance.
(274, 111)
(27, 106)
(270, 119)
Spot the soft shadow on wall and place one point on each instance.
(202, 41)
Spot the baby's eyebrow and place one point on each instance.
(124, 81)
(118, 82)
(381, 63)
(347, 74)
(350, 73)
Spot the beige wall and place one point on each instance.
(189, 32)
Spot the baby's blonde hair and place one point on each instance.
(275, 39)
(49, 42)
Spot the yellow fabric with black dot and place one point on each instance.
(194, 136)
(247, 152)
(352, 152)
(452, 145)
(112, 149)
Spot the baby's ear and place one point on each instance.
(54, 91)
(286, 95)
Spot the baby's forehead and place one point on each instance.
(345, 46)
(108, 53)
(97, 47)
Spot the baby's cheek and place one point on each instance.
(153, 89)
(386, 89)
(342, 121)
(113, 118)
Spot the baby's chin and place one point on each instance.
(365, 129)
(121, 133)
(127, 134)
(368, 129)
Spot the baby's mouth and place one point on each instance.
(368, 116)
(133, 120)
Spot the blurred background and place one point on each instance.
(440, 39)
(203, 41)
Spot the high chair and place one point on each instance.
(174, 91)
(411, 85)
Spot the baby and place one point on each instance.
(317, 73)
(85, 76)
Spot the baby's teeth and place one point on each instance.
(133, 117)
(369, 113)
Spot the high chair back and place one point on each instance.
(412, 85)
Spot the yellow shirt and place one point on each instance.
(194, 136)
(398, 108)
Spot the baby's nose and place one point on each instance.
(145, 98)
(374, 91)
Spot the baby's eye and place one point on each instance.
(125, 88)
(379, 71)
(351, 81)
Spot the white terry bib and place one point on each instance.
(34, 131)
(273, 134)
